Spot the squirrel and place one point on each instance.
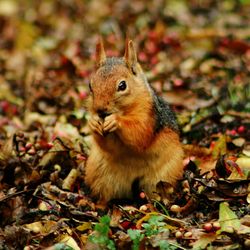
(135, 133)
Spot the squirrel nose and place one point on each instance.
(102, 113)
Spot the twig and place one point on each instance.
(15, 194)
(237, 114)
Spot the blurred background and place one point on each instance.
(195, 53)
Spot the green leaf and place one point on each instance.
(154, 225)
(101, 235)
(229, 221)
(156, 220)
(136, 236)
(62, 246)
(111, 245)
(220, 147)
(164, 245)
(105, 220)
(245, 1)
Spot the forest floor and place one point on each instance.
(196, 54)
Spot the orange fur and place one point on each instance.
(125, 144)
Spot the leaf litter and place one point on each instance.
(196, 55)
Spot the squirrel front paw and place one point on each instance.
(95, 124)
(110, 123)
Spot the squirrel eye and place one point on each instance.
(122, 86)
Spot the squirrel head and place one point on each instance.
(118, 82)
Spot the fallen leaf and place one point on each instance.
(239, 142)
(244, 162)
(84, 226)
(228, 220)
(204, 240)
(44, 227)
(69, 241)
(220, 147)
(69, 181)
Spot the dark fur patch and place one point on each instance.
(164, 115)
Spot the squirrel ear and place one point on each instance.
(130, 55)
(100, 53)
